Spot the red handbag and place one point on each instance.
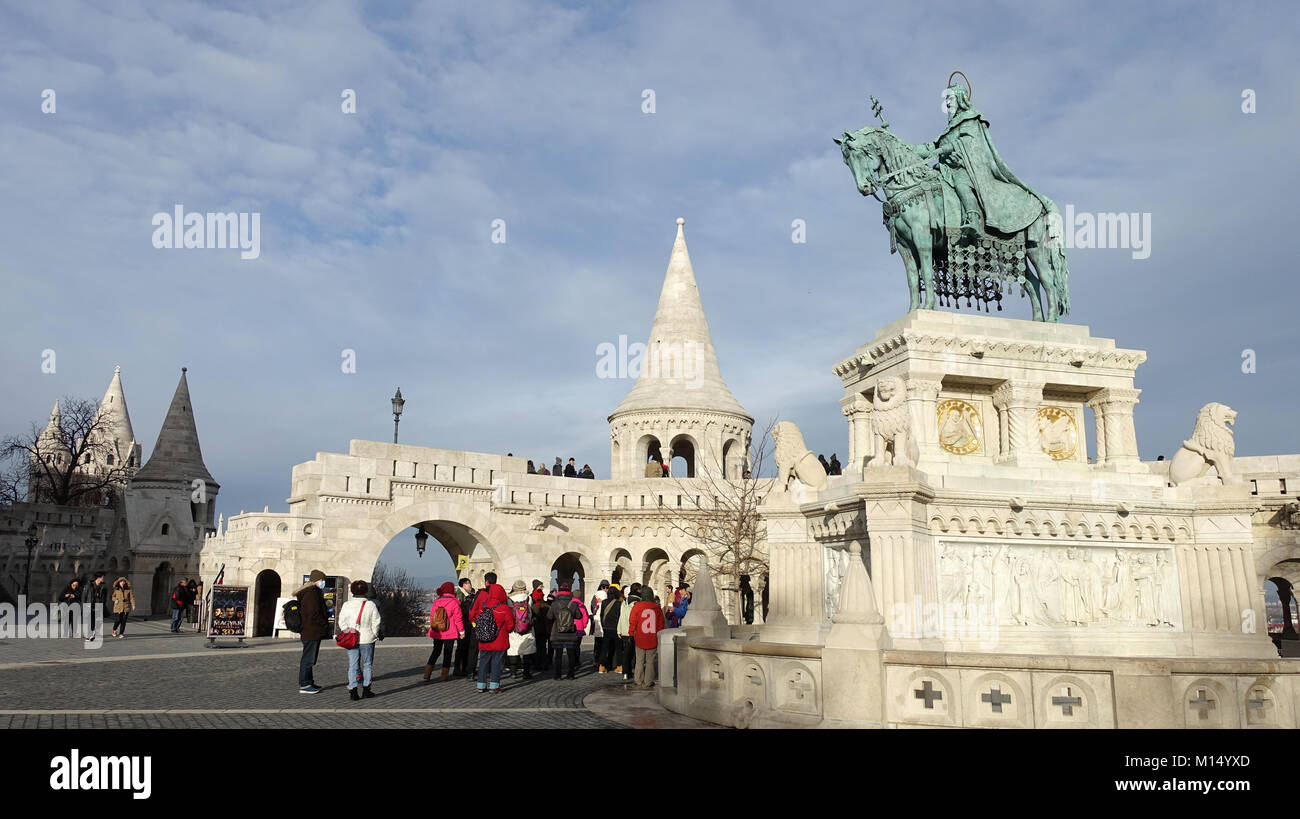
(349, 636)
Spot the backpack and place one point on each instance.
(564, 619)
(523, 617)
(292, 615)
(439, 621)
(485, 627)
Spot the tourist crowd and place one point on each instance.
(483, 634)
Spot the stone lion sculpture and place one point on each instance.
(892, 425)
(1211, 445)
(795, 460)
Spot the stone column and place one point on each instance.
(922, 405)
(1114, 409)
(1017, 403)
(1099, 417)
(861, 443)
(758, 584)
(796, 577)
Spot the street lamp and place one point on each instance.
(421, 540)
(30, 543)
(397, 411)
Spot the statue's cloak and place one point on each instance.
(1009, 205)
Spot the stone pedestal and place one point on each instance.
(796, 581)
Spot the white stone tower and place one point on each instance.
(679, 406)
(124, 450)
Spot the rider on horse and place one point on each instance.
(991, 195)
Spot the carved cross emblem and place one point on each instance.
(1067, 702)
(1204, 704)
(1259, 706)
(799, 685)
(926, 692)
(996, 698)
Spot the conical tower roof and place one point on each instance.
(113, 408)
(680, 368)
(51, 438)
(176, 456)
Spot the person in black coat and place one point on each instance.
(835, 466)
(570, 471)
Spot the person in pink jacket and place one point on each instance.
(444, 640)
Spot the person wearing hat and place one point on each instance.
(315, 627)
(523, 644)
(541, 629)
(646, 622)
(444, 640)
(363, 615)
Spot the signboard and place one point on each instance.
(462, 562)
(279, 625)
(229, 616)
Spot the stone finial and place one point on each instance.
(704, 609)
(857, 598)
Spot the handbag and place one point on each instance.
(349, 636)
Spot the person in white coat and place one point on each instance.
(363, 615)
(597, 630)
(523, 647)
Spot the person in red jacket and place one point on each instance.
(492, 653)
(645, 623)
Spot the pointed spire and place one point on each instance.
(51, 437)
(113, 408)
(704, 609)
(176, 456)
(680, 367)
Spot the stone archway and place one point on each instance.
(571, 566)
(160, 603)
(460, 528)
(266, 590)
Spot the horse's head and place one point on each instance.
(862, 155)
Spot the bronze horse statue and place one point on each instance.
(922, 214)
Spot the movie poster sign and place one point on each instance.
(229, 612)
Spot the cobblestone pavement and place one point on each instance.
(170, 681)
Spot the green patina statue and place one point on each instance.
(968, 228)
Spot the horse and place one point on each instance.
(918, 201)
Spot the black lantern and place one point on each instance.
(421, 540)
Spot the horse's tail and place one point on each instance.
(1054, 239)
(1062, 279)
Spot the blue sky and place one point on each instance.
(376, 227)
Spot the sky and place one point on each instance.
(377, 227)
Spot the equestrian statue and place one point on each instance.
(966, 227)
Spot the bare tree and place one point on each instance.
(400, 600)
(721, 514)
(68, 464)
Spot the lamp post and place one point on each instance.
(397, 412)
(421, 540)
(30, 543)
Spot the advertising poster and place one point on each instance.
(229, 611)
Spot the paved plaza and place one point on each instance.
(155, 679)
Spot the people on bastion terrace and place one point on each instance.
(445, 629)
(568, 622)
(492, 620)
(646, 622)
(466, 647)
(315, 627)
(123, 605)
(362, 615)
(597, 627)
(523, 642)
